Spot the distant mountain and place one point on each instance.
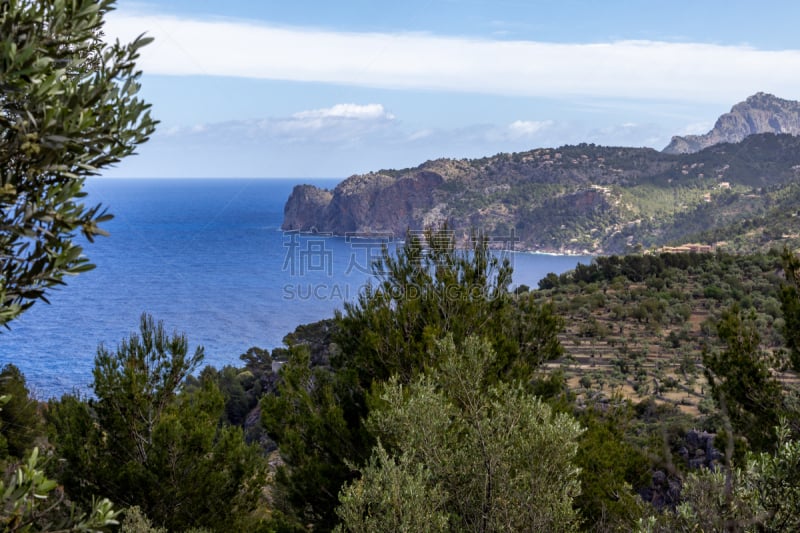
(760, 113)
(573, 199)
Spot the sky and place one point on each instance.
(302, 89)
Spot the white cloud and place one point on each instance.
(343, 119)
(348, 111)
(420, 134)
(341, 123)
(527, 128)
(697, 128)
(624, 69)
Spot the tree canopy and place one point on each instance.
(147, 441)
(486, 457)
(68, 109)
(429, 289)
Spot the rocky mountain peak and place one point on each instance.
(759, 113)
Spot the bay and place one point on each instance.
(207, 257)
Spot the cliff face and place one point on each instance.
(582, 199)
(303, 206)
(760, 113)
(362, 204)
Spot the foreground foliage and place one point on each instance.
(68, 108)
(29, 500)
(30, 503)
(790, 301)
(764, 495)
(19, 418)
(742, 383)
(428, 290)
(481, 456)
(145, 442)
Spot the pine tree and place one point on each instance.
(146, 442)
(427, 290)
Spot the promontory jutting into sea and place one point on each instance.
(241, 263)
(208, 257)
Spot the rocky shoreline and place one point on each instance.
(576, 200)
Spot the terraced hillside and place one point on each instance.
(637, 326)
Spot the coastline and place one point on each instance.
(367, 236)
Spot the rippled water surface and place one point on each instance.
(208, 258)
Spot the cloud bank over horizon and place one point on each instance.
(640, 69)
(351, 138)
(252, 97)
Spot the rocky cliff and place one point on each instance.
(369, 203)
(576, 199)
(760, 113)
(303, 208)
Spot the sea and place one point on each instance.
(208, 258)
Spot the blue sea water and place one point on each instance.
(207, 257)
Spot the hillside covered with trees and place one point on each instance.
(581, 199)
(649, 393)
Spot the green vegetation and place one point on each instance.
(754, 221)
(652, 392)
(790, 301)
(18, 417)
(610, 466)
(761, 496)
(146, 442)
(29, 500)
(429, 290)
(600, 402)
(484, 457)
(742, 197)
(26, 498)
(640, 325)
(741, 381)
(68, 108)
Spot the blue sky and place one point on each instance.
(332, 88)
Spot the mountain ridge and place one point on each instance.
(573, 199)
(759, 113)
